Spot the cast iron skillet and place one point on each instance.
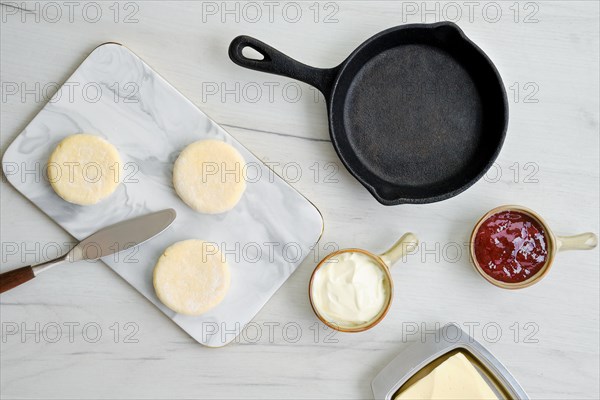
(417, 113)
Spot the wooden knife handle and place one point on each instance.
(10, 279)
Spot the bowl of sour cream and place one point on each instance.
(351, 290)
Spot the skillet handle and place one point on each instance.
(275, 62)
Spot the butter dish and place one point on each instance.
(420, 359)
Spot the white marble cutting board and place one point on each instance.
(115, 95)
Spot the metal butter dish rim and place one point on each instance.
(419, 355)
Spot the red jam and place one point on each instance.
(511, 246)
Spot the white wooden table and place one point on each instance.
(547, 53)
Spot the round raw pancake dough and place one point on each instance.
(191, 277)
(84, 169)
(209, 176)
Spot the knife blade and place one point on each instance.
(121, 236)
(110, 240)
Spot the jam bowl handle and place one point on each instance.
(583, 241)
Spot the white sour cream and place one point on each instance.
(349, 289)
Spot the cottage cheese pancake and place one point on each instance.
(209, 176)
(84, 169)
(191, 277)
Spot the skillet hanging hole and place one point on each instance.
(252, 54)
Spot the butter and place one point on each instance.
(455, 378)
(349, 289)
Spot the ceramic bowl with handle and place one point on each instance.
(583, 241)
(406, 244)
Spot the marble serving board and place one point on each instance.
(117, 96)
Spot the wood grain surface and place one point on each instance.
(79, 331)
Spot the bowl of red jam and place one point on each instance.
(512, 247)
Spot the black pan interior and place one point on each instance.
(418, 114)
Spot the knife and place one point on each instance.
(110, 240)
